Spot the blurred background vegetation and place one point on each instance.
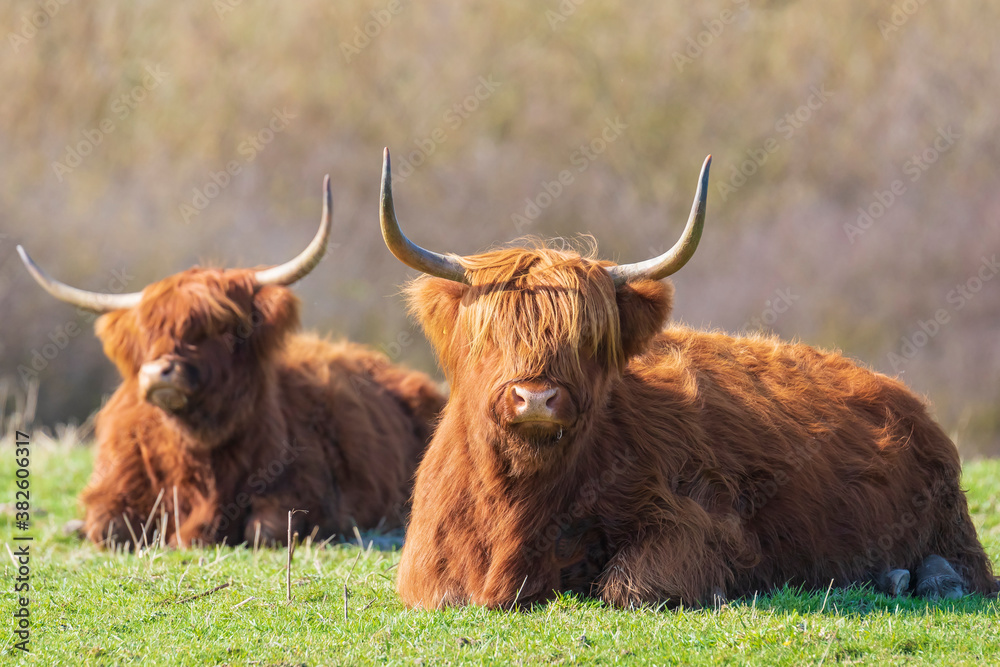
(117, 116)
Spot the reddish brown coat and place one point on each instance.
(284, 420)
(698, 464)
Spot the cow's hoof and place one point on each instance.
(895, 582)
(937, 580)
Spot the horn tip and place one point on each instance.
(386, 171)
(703, 183)
(25, 257)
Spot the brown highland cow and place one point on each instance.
(586, 448)
(228, 411)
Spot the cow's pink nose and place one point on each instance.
(159, 371)
(532, 403)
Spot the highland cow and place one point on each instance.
(584, 448)
(228, 411)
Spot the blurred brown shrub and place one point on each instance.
(821, 109)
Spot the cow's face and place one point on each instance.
(533, 343)
(197, 347)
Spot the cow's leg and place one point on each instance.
(200, 518)
(119, 494)
(937, 580)
(268, 528)
(271, 512)
(670, 565)
(108, 524)
(894, 582)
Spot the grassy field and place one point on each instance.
(93, 607)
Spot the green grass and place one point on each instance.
(98, 608)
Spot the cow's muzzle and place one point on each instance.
(538, 408)
(166, 384)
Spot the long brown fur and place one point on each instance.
(287, 420)
(701, 464)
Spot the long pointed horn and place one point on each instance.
(672, 260)
(298, 268)
(95, 302)
(405, 250)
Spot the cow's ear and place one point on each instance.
(119, 333)
(276, 312)
(643, 307)
(435, 302)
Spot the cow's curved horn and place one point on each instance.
(409, 253)
(98, 302)
(672, 260)
(95, 302)
(298, 268)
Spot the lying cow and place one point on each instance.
(586, 448)
(227, 410)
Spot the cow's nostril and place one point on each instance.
(519, 397)
(551, 403)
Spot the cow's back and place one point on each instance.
(373, 420)
(834, 471)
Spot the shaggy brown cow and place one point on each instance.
(226, 409)
(585, 448)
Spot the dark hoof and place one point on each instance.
(937, 580)
(894, 582)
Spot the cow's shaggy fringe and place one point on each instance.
(530, 304)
